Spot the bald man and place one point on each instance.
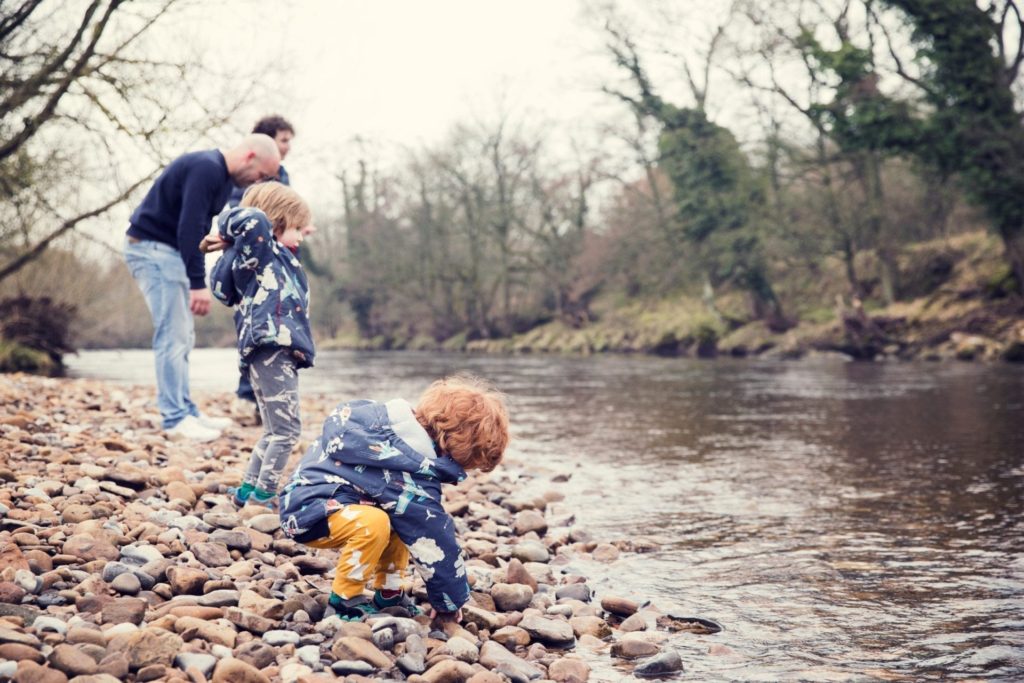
(162, 253)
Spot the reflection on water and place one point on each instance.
(843, 521)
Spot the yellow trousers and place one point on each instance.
(370, 551)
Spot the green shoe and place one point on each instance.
(399, 600)
(351, 609)
(261, 497)
(240, 494)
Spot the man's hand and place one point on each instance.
(446, 617)
(212, 242)
(199, 301)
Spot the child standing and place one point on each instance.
(260, 275)
(371, 487)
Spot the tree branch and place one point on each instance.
(26, 257)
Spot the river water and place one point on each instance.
(843, 521)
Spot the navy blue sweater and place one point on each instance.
(179, 206)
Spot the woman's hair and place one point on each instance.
(467, 419)
(283, 205)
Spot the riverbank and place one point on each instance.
(955, 308)
(121, 559)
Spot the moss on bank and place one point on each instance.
(19, 358)
(955, 305)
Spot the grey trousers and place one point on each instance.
(275, 381)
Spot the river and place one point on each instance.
(843, 521)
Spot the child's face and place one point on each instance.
(292, 237)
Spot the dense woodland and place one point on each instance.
(886, 141)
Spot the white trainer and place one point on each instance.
(192, 429)
(218, 423)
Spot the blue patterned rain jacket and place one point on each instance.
(266, 283)
(378, 454)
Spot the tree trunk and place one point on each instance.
(1013, 243)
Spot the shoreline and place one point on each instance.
(121, 559)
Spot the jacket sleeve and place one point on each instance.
(199, 192)
(429, 533)
(249, 233)
(222, 280)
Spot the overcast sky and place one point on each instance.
(403, 72)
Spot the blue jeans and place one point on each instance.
(160, 273)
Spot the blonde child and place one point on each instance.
(371, 487)
(260, 275)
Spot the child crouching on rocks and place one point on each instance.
(371, 487)
(260, 275)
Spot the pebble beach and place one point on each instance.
(123, 559)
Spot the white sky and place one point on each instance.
(401, 73)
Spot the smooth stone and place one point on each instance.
(281, 637)
(575, 591)
(411, 663)
(345, 667)
(17, 652)
(569, 670)
(448, 671)
(257, 653)
(186, 580)
(212, 554)
(347, 647)
(637, 622)
(592, 626)
(30, 672)
(664, 663)
(633, 649)
(237, 671)
(141, 554)
(200, 661)
(72, 661)
(531, 551)
(9, 635)
(153, 646)
(309, 655)
(126, 584)
(511, 597)
(51, 624)
(266, 523)
(124, 610)
(495, 656)
(622, 607)
(219, 598)
(549, 631)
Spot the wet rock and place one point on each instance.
(634, 623)
(622, 607)
(665, 663)
(574, 591)
(633, 649)
(605, 552)
(590, 625)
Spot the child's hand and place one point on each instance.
(212, 242)
(446, 617)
